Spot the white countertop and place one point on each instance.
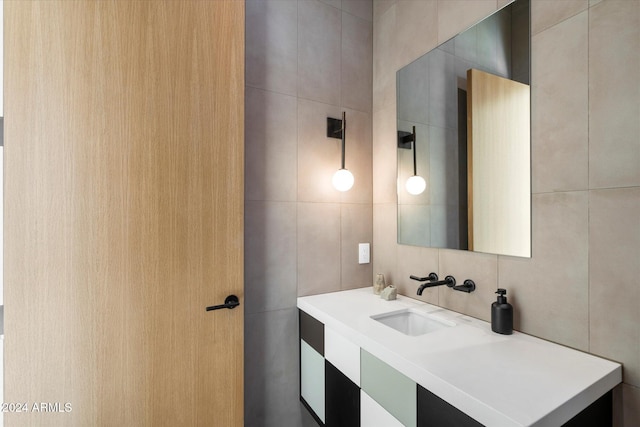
(500, 380)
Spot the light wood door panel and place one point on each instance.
(499, 159)
(124, 211)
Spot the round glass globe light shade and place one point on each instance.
(342, 180)
(416, 185)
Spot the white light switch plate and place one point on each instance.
(364, 253)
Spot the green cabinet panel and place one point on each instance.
(312, 382)
(392, 390)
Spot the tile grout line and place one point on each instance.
(588, 181)
(297, 201)
(341, 103)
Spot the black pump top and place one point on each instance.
(502, 299)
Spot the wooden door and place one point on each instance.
(124, 212)
(499, 159)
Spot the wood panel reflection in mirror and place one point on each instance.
(432, 95)
(499, 201)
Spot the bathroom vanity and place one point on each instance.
(370, 362)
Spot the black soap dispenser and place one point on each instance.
(502, 314)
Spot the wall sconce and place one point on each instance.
(343, 179)
(415, 184)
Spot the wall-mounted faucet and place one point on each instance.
(432, 280)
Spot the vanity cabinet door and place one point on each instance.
(312, 331)
(343, 354)
(435, 412)
(312, 374)
(598, 414)
(312, 380)
(374, 415)
(395, 392)
(342, 399)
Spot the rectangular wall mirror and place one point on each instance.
(464, 150)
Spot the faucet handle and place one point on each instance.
(431, 277)
(468, 286)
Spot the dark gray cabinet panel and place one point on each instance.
(342, 399)
(598, 414)
(435, 412)
(312, 331)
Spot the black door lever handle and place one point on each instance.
(229, 302)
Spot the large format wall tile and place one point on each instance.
(318, 156)
(482, 269)
(357, 56)
(551, 288)
(614, 94)
(381, 6)
(419, 262)
(271, 369)
(319, 28)
(357, 227)
(560, 89)
(270, 146)
(416, 25)
(306, 60)
(335, 3)
(318, 248)
(385, 153)
(614, 268)
(385, 241)
(360, 8)
(358, 153)
(270, 253)
(384, 59)
(271, 46)
(455, 16)
(547, 13)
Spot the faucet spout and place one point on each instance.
(432, 280)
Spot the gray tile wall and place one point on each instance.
(305, 60)
(580, 286)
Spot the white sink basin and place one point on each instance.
(412, 322)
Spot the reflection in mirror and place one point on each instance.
(467, 102)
